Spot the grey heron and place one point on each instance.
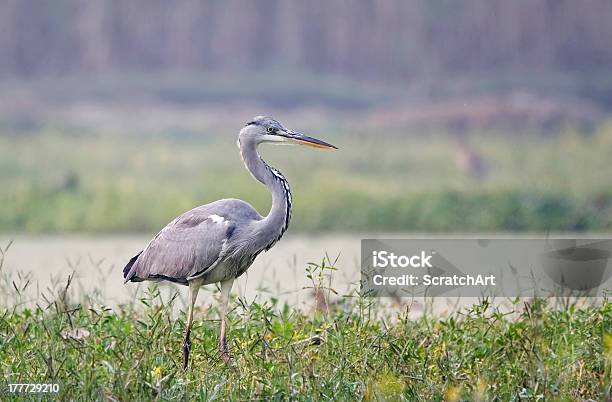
(218, 242)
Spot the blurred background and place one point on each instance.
(451, 117)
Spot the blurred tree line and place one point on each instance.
(374, 39)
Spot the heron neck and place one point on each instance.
(276, 222)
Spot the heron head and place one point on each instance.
(263, 129)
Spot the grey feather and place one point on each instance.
(191, 243)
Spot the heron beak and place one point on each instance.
(301, 139)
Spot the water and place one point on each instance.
(96, 263)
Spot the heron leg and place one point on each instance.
(193, 295)
(226, 288)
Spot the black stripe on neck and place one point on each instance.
(287, 192)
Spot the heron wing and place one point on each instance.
(187, 247)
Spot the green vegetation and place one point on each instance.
(55, 181)
(532, 353)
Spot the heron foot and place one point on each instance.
(224, 351)
(226, 358)
(186, 349)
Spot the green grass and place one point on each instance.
(480, 354)
(351, 350)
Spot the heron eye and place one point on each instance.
(269, 129)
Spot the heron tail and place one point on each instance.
(128, 272)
